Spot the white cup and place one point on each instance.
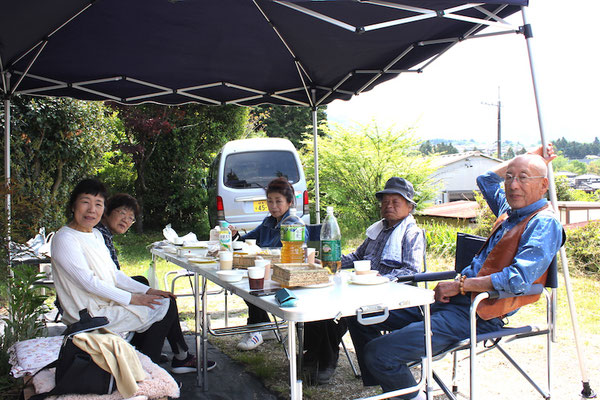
(266, 264)
(362, 266)
(225, 260)
(237, 245)
(251, 242)
(256, 277)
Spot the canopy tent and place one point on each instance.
(245, 52)
(299, 52)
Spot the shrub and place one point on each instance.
(25, 306)
(441, 238)
(582, 248)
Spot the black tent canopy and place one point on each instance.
(228, 51)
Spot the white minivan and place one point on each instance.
(239, 175)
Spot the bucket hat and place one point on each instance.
(400, 186)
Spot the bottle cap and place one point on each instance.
(224, 224)
(293, 211)
(329, 210)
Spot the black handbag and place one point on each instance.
(76, 371)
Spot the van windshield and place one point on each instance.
(255, 169)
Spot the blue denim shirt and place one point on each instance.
(541, 239)
(268, 233)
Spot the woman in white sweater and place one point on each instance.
(86, 277)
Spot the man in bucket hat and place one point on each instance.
(395, 247)
(394, 244)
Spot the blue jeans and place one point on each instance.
(383, 358)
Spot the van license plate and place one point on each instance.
(260, 206)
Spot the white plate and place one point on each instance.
(376, 280)
(202, 260)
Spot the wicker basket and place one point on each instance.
(301, 274)
(245, 261)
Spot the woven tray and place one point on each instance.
(289, 275)
(245, 261)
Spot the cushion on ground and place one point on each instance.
(29, 356)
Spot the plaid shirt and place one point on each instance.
(108, 241)
(413, 249)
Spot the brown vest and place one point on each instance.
(502, 256)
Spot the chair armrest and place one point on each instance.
(427, 276)
(534, 289)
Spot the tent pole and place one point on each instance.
(587, 392)
(7, 170)
(316, 153)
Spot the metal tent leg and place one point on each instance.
(587, 392)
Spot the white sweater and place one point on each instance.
(86, 277)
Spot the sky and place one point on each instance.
(445, 101)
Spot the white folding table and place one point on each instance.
(341, 299)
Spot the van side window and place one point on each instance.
(257, 168)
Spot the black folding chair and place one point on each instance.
(466, 247)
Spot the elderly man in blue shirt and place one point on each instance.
(383, 358)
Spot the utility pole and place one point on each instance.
(499, 105)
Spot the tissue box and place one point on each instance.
(300, 274)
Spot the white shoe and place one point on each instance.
(269, 335)
(250, 341)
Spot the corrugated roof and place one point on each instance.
(455, 209)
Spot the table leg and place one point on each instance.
(204, 335)
(428, 353)
(197, 327)
(295, 383)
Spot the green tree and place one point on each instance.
(445, 148)
(426, 148)
(354, 163)
(563, 190)
(521, 151)
(509, 154)
(287, 122)
(180, 162)
(55, 143)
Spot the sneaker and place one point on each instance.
(189, 365)
(250, 341)
(269, 335)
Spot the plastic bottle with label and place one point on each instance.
(225, 236)
(293, 233)
(331, 245)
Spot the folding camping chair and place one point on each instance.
(466, 248)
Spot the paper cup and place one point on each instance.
(225, 260)
(266, 264)
(256, 277)
(362, 266)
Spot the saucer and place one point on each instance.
(368, 280)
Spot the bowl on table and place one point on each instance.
(230, 275)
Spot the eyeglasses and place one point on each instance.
(126, 216)
(508, 179)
